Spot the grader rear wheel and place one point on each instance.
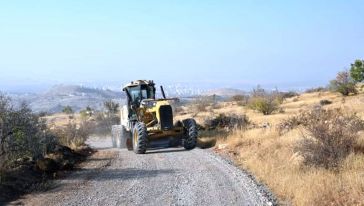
(120, 137)
(114, 135)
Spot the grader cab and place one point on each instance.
(145, 119)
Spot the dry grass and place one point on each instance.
(73, 135)
(330, 136)
(62, 119)
(71, 130)
(205, 143)
(271, 157)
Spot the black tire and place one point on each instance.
(114, 135)
(113, 141)
(129, 143)
(119, 142)
(126, 139)
(140, 138)
(191, 133)
(120, 136)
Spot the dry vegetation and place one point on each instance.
(34, 147)
(305, 157)
(38, 147)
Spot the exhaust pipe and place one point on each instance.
(163, 94)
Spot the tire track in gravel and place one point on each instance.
(170, 176)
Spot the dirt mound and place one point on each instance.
(32, 175)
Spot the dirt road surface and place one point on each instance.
(161, 177)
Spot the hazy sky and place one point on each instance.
(265, 42)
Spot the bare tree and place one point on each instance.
(111, 107)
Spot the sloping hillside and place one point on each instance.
(224, 92)
(272, 155)
(78, 97)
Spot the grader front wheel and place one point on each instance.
(191, 133)
(140, 138)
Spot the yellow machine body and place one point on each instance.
(151, 116)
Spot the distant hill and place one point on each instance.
(78, 97)
(74, 90)
(224, 92)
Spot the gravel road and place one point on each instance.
(161, 177)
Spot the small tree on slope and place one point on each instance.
(357, 71)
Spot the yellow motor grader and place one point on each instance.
(145, 119)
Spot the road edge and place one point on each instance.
(263, 189)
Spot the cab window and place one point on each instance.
(139, 93)
(134, 93)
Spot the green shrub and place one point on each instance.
(343, 84)
(23, 134)
(265, 105)
(67, 110)
(265, 102)
(357, 71)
